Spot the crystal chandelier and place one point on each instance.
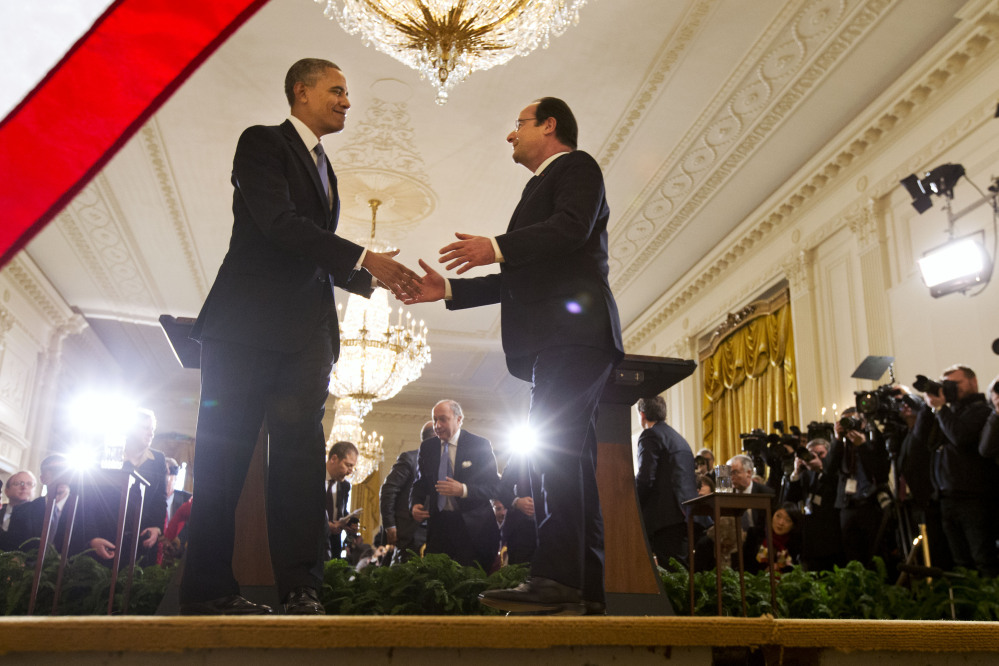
(446, 40)
(377, 359)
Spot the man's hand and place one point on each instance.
(857, 438)
(815, 464)
(392, 275)
(936, 401)
(525, 505)
(391, 535)
(150, 536)
(468, 252)
(337, 526)
(419, 513)
(103, 548)
(450, 488)
(431, 287)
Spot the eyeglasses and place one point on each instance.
(520, 121)
(21, 484)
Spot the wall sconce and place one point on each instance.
(961, 263)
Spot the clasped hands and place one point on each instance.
(464, 254)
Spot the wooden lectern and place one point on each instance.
(251, 559)
(630, 577)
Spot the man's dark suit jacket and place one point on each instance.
(394, 502)
(283, 260)
(475, 466)
(100, 502)
(552, 286)
(342, 500)
(26, 523)
(273, 293)
(554, 295)
(665, 478)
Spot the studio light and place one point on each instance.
(523, 440)
(957, 265)
(940, 181)
(962, 263)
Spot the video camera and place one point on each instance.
(776, 449)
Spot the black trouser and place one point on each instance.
(568, 382)
(240, 386)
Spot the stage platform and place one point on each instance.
(517, 641)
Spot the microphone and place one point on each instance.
(995, 346)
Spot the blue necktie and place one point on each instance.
(443, 471)
(323, 171)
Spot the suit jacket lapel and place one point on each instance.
(529, 190)
(303, 154)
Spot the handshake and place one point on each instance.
(465, 253)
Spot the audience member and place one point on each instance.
(402, 531)
(786, 526)
(174, 497)
(951, 427)
(27, 521)
(665, 480)
(743, 482)
(518, 530)
(101, 504)
(19, 489)
(340, 462)
(456, 478)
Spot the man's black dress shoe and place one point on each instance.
(303, 601)
(538, 595)
(595, 608)
(233, 604)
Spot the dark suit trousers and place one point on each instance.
(240, 386)
(568, 382)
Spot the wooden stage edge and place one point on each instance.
(173, 634)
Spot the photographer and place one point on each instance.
(815, 488)
(913, 469)
(988, 447)
(859, 459)
(950, 427)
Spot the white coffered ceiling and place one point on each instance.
(697, 110)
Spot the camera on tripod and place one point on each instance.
(776, 449)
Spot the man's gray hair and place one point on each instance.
(745, 462)
(453, 405)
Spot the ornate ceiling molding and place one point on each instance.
(38, 292)
(754, 103)
(973, 48)
(92, 224)
(159, 159)
(672, 51)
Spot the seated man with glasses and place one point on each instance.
(27, 520)
(20, 489)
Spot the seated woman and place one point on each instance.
(786, 526)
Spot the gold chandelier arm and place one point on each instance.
(452, 26)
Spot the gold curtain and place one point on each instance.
(749, 382)
(365, 495)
